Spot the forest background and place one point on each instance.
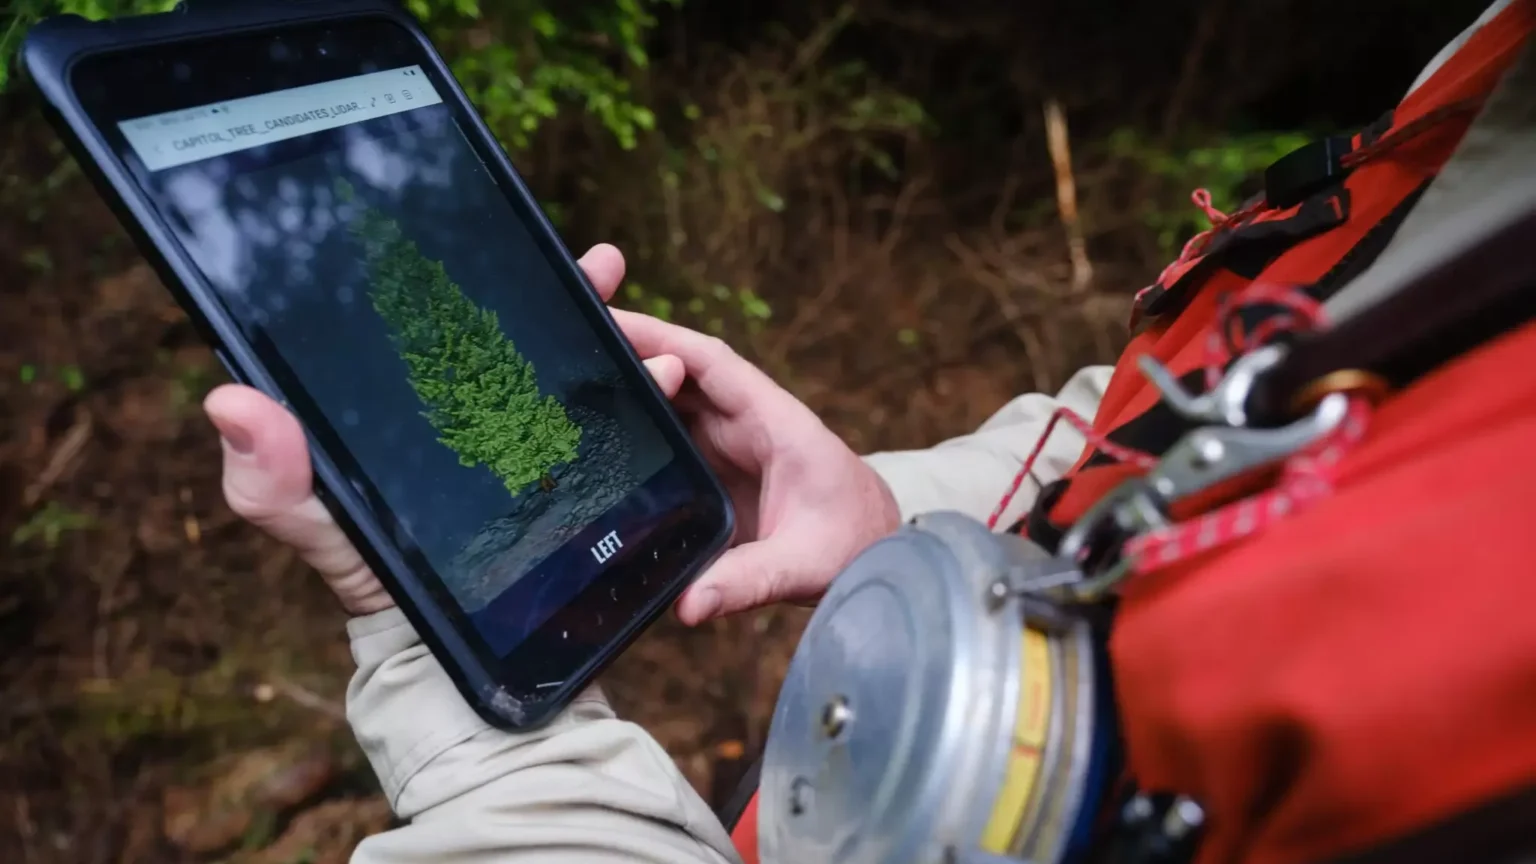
(865, 197)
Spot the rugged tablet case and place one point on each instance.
(48, 55)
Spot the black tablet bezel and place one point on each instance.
(93, 86)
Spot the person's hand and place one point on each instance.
(806, 503)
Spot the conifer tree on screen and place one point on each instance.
(480, 394)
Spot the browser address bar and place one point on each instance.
(178, 137)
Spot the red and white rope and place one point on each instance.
(1305, 477)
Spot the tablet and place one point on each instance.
(327, 206)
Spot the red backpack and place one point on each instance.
(1365, 669)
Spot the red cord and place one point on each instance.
(1115, 451)
(1304, 478)
(1196, 245)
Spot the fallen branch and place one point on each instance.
(301, 695)
(1066, 194)
(62, 458)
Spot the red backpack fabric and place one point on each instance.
(1366, 668)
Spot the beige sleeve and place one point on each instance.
(586, 788)
(971, 473)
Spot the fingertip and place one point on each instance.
(220, 398)
(238, 403)
(237, 412)
(606, 250)
(699, 604)
(668, 372)
(604, 266)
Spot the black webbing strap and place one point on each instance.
(1482, 292)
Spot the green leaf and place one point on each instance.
(768, 198)
(73, 378)
(38, 261)
(754, 307)
(660, 307)
(50, 524)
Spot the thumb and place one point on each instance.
(745, 577)
(267, 481)
(266, 458)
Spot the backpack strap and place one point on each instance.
(1458, 273)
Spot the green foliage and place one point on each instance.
(189, 382)
(1221, 164)
(522, 61)
(480, 393)
(72, 378)
(843, 105)
(722, 303)
(653, 305)
(49, 524)
(761, 147)
(69, 375)
(22, 14)
(38, 261)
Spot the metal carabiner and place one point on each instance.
(1201, 460)
(1226, 402)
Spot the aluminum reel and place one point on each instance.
(927, 719)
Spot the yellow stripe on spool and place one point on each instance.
(1030, 728)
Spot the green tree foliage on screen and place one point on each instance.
(521, 61)
(480, 394)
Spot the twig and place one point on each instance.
(1004, 206)
(1189, 72)
(307, 698)
(947, 25)
(63, 457)
(1066, 194)
(816, 44)
(106, 604)
(1034, 349)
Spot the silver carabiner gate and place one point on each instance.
(1201, 460)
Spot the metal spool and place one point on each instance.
(923, 720)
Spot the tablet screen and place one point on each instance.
(353, 230)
